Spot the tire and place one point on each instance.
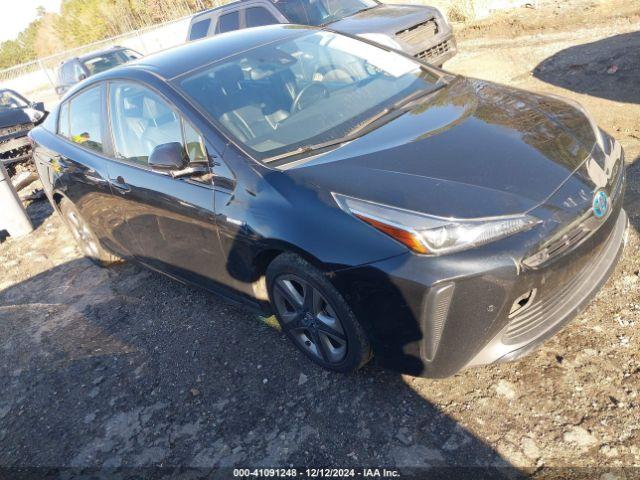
(315, 316)
(84, 236)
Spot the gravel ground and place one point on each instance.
(122, 367)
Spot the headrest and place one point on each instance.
(229, 79)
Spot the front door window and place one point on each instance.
(141, 121)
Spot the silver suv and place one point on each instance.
(77, 69)
(420, 31)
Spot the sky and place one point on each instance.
(17, 14)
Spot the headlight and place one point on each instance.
(439, 15)
(431, 235)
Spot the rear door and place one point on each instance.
(170, 220)
(82, 160)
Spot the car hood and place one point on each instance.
(387, 19)
(474, 149)
(16, 116)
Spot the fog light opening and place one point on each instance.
(522, 303)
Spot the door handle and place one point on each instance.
(120, 185)
(94, 177)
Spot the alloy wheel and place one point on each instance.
(309, 318)
(82, 234)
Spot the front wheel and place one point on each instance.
(315, 316)
(84, 236)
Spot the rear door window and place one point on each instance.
(66, 73)
(229, 22)
(200, 29)
(259, 16)
(78, 72)
(85, 119)
(131, 54)
(294, 10)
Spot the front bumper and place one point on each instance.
(434, 316)
(526, 332)
(439, 53)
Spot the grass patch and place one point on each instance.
(271, 322)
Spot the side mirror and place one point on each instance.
(38, 106)
(169, 157)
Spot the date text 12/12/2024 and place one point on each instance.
(315, 473)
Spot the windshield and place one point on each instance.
(9, 100)
(321, 12)
(317, 88)
(108, 60)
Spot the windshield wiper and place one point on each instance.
(398, 109)
(333, 18)
(406, 101)
(358, 131)
(307, 149)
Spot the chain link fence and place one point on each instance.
(36, 79)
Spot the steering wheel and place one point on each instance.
(314, 91)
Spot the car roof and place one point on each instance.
(204, 13)
(187, 57)
(95, 53)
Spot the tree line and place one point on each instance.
(85, 21)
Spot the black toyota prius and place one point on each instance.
(380, 207)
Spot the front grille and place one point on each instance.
(579, 231)
(419, 33)
(434, 52)
(528, 324)
(556, 304)
(568, 241)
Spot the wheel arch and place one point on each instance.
(266, 255)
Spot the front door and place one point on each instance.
(170, 221)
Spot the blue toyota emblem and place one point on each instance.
(600, 204)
